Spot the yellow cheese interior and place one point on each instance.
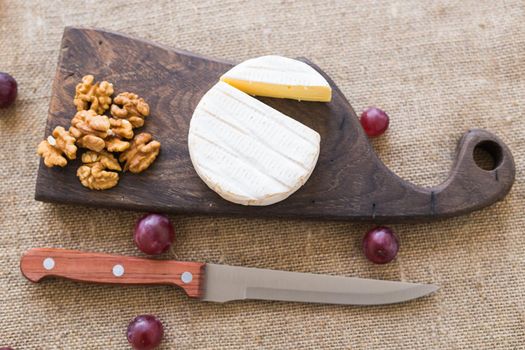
(301, 93)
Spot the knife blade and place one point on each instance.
(217, 283)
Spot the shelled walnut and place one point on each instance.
(115, 144)
(90, 130)
(121, 128)
(93, 96)
(129, 106)
(59, 144)
(141, 154)
(90, 123)
(52, 156)
(64, 142)
(93, 173)
(92, 143)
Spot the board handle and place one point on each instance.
(468, 180)
(38, 263)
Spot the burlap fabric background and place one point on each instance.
(438, 68)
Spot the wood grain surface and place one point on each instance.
(39, 263)
(349, 181)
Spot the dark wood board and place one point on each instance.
(349, 181)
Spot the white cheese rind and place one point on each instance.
(248, 152)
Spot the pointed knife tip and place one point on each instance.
(431, 288)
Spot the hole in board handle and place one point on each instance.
(488, 155)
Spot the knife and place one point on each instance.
(217, 283)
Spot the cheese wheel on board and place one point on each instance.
(248, 152)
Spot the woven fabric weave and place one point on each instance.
(437, 67)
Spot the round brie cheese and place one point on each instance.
(248, 152)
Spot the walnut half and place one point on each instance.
(93, 173)
(94, 96)
(115, 144)
(121, 128)
(141, 154)
(52, 156)
(59, 144)
(90, 130)
(129, 106)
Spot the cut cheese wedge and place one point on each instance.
(277, 76)
(248, 152)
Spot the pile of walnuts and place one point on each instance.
(101, 135)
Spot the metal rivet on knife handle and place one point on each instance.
(48, 263)
(186, 277)
(118, 270)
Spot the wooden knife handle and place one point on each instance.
(39, 263)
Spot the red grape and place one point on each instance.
(154, 234)
(8, 90)
(374, 121)
(380, 245)
(145, 332)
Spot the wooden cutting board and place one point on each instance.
(349, 181)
